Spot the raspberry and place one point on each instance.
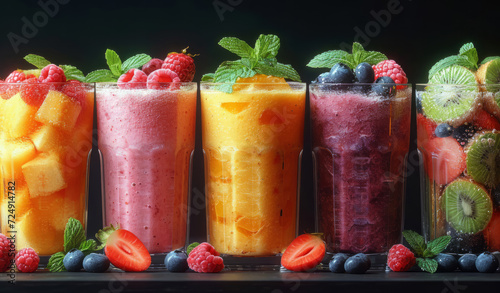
(400, 258)
(4, 253)
(182, 64)
(134, 78)
(33, 92)
(152, 65)
(17, 76)
(158, 78)
(204, 259)
(52, 73)
(391, 69)
(27, 260)
(76, 91)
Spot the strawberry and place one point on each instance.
(486, 121)
(425, 129)
(182, 64)
(304, 253)
(445, 158)
(124, 250)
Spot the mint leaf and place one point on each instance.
(89, 246)
(488, 59)
(73, 234)
(191, 247)
(72, 72)
(328, 59)
(280, 70)
(449, 61)
(209, 77)
(436, 246)
(470, 52)
(55, 264)
(416, 241)
(36, 60)
(372, 57)
(135, 61)
(267, 46)
(237, 46)
(357, 53)
(229, 71)
(114, 62)
(465, 48)
(427, 264)
(101, 75)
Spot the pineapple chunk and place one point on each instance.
(44, 175)
(47, 138)
(15, 153)
(18, 117)
(59, 110)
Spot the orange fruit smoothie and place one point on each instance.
(252, 142)
(44, 146)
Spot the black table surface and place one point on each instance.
(252, 281)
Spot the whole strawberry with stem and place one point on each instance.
(182, 64)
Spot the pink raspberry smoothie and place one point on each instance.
(359, 145)
(146, 138)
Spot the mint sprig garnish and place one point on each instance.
(261, 59)
(116, 67)
(358, 55)
(74, 237)
(466, 57)
(425, 252)
(71, 72)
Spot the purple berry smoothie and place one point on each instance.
(359, 147)
(146, 138)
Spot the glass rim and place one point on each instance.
(358, 83)
(456, 85)
(143, 82)
(46, 83)
(243, 83)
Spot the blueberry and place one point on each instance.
(467, 262)
(73, 260)
(336, 264)
(495, 196)
(364, 73)
(486, 263)
(323, 77)
(385, 86)
(96, 263)
(446, 262)
(176, 261)
(443, 130)
(341, 73)
(357, 264)
(466, 243)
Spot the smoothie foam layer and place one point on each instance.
(146, 138)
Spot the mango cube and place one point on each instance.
(14, 154)
(58, 110)
(18, 117)
(44, 175)
(34, 230)
(47, 138)
(59, 207)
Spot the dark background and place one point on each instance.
(416, 34)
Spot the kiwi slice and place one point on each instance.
(483, 159)
(444, 101)
(489, 74)
(467, 206)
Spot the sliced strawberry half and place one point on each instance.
(304, 253)
(486, 121)
(425, 129)
(445, 159)
(124, 250)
